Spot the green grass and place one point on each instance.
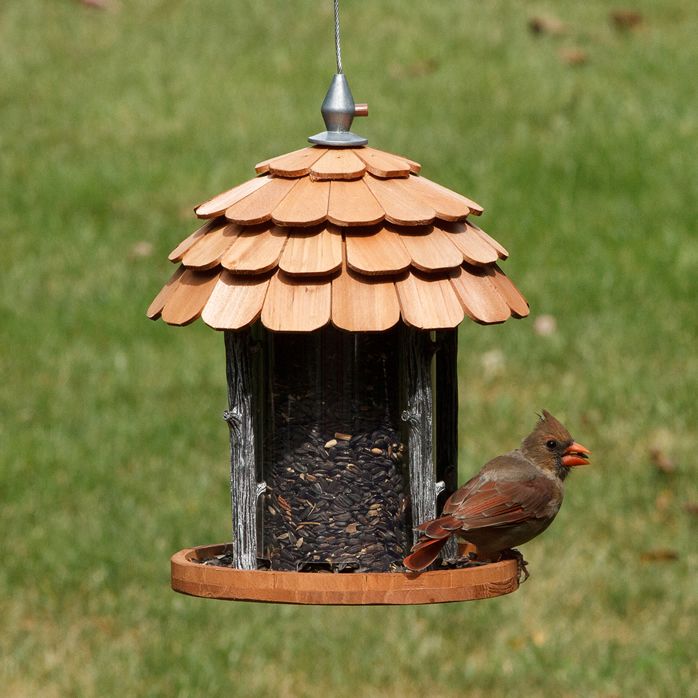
(113, 124)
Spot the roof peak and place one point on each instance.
(349, 162)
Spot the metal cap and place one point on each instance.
(338, 111)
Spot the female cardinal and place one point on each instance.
(511, 500)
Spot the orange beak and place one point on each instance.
(576, 454)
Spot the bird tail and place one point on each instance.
(435, 533)
(424, 552)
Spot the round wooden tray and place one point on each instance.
(351, 588)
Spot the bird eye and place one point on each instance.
(551, 444)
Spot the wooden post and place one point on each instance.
(418, 415)
(447, 421)
(243, 479)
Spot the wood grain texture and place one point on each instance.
(382, 164)
(189, 296)
(296, 305)
(448, 205)
(374, 588)
(400, 207)
(262, 167)
(155, 308)
(511, 294)
(380, 252)
(218, 204)
(418, 354)
(481, 300)
(239, 416)
(473, 248)
(474, 207)
(295, 164)
(257, 207)
(338, 163)
(351, 203)
(235, 302)
(415, 167)
(209, 249)
(429, 304)
(305, 205)
(501, 250)
(431, 249)
(256, 250)
(309, 254)
(364, 304)
(179, 251)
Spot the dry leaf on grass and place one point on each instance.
(573, 55)
(659, 555)
(691, 508)
(416, 69)
(662, 462)
(624, 20)
(547, 24)
(420, 68)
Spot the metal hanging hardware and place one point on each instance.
(338, 108)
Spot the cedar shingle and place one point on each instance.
(351, 236)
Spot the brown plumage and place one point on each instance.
(510, 501)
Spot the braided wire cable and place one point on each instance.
(337, 43)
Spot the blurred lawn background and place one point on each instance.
(582, 147)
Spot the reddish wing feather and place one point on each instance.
(424, 553)
(499, 502)
(442, 527)
(462, 494)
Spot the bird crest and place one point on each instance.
(552, 427)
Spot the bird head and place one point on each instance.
(551, 446)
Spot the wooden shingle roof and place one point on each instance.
(355, 237)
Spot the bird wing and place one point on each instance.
(489, 500)
(441, 527)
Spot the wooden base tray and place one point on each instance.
(352, 588)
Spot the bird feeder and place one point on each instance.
(339, 276)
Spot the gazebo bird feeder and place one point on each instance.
(338, 276)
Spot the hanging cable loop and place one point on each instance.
(337, 43)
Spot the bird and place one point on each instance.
(513, 498)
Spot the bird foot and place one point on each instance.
(514, 554)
